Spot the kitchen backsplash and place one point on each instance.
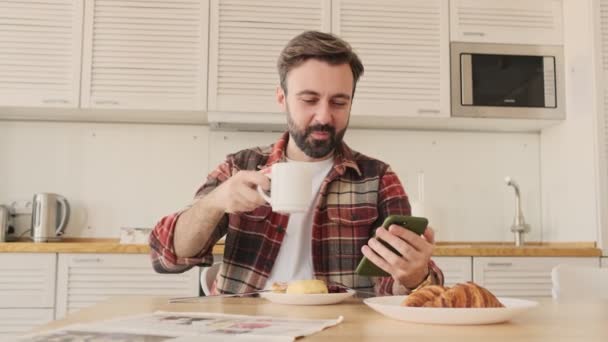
(130, 175)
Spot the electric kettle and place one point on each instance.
(50, 215)
(5, 219)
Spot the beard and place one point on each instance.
(314, 148)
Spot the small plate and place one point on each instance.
(390, 306)
(307, 299)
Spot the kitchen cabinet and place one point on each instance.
(601, 120)
(85, 279)
(604, 262)
(27, 291)
(40, 60)
(404, 46)
(455, 269)
(521, 276)
(507, 22)
(145, 55)
(27, 280)
(246, 38)
(15, 322)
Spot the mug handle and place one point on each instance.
(261, 192)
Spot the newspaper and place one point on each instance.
(186, 327)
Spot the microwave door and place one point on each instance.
(507, 80)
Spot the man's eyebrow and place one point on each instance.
(314, 93)
(307, 92)
(341, 96)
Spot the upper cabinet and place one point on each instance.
(145, 54)
(40, 42)
(246, 38)
(509, 22)
(404, 46)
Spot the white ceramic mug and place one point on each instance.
(290, 187)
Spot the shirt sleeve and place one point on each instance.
(162, 249)
(392, 200)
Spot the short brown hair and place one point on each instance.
(318, 45)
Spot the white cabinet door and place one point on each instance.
(27, 280)
(604, 262)
(145, 54)
(85, 279)
(40, 44)
(404, 47)
(246, 38)
(509, 22)
(455, 269)
(521, 276)
(15, 322)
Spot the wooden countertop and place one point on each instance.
(97, 245)
(549, 321)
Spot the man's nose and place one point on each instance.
(324, 115)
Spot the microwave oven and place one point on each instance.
(507, 81)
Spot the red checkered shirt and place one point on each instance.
(356, 196)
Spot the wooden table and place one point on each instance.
(549, 322)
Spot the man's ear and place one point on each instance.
(282, 98)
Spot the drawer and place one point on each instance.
(27, 280)
(15, 322)
(521, 276)
(455, 269)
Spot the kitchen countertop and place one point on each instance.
(536, 249)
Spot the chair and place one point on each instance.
(579, 282)
(208, 275)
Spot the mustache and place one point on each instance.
(320, 128)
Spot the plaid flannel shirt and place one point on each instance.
(356, 196)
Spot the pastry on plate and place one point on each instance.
(467, 295)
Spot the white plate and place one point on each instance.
(307, 299)
(390, 306)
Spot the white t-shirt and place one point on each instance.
(294, 260)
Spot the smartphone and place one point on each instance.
(412, 223)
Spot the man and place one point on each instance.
(354, 194)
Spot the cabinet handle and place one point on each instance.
(428, 111)
(500, 264)
(480, 34)
(107, 102)
(95, 260)
(55, 101)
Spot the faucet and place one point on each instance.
(519, 227)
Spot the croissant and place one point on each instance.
(468, 295)
(424, 295)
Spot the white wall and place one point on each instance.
(130, 175)
(113, 175)
(568, 151)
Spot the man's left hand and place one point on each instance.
(412, 267)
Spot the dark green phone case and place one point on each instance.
(412, 223)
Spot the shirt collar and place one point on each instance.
(343, 155)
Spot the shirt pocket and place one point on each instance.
(258, 214)
(254, 221)
(353, 217)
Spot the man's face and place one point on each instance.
(318, 105)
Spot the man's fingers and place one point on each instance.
(396, 242)
(255, 178)
(429, 234)
(410, 237)
(375, 258)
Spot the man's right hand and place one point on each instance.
(239, 193)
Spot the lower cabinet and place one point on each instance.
(27, 292)
(85, 279)
(15, 322)
(455, 269)
(604, 262)
(521, 276)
